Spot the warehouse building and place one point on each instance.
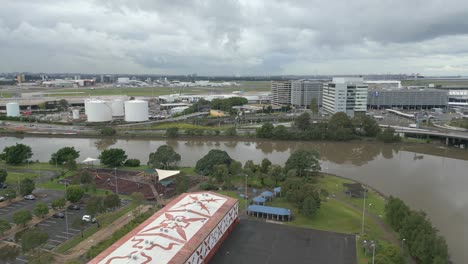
(187, 230)
(407, 98)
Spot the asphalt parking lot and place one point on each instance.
(45, 196)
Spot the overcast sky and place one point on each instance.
(243, 37)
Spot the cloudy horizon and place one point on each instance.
(242, 37)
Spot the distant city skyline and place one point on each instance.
(229, 38)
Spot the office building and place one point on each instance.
(303, 91)
(348, 95)
(281, 92)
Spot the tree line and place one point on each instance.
(339, 127)
(424, 243)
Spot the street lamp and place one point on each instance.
(363, 212)
(373, 251)
(66, 213)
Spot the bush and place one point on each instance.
(132, 163)
(208, 186)
(108, 131)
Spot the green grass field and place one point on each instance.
(15, 177)
(247, 86)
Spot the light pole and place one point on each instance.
(403, 249)
(373, 251)
(116, 187)
(363, 213)
(66, 214)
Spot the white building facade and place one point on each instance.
(348, 95)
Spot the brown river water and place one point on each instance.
(427, 177)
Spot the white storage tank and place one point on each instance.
(99, 111)
(86, 101)
(13, 109)
(118, 107)
(76, 113)
(136, 111)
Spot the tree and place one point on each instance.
(182, 183)
(388, 135)
(86, 177)
(340, 127)
(108, 131)
(265, 131)
(250, 165)
(9, 193)
(113, 157)
(230, 131)
(298, 190)
(314, 107)
(281, 132)
(369, 126)
(235, 168)
(64, 155)
(309, 206)
(41, 209)
(395, 212)
(74, 193)
(164, 158)
(302, 122)
(172, 132)
(26, 186)
(3, 175)
(4, 226)
(264, 165)
(276, 173)
(305, 162)
(132, 163)
(390, 254)
(95, 205)
(220, 172)
(9, 253)
(22, 217)
(58, 203)
(33, 238)
(16, 154)
(214, 157)
(112, 201)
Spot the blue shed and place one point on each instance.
(267, 195)
(268, 212)
(259, 200)
(277, 191)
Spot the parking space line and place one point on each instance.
(21, 260)
(49, 221)
(72, 229)
(68, 233)
(61, 236)
(41, 224)
(58, 241)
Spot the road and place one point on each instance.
(45, 196)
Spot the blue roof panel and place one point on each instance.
(259, 199)
(277, 189)
(269, 210)
(267, 193)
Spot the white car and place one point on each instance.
(30, 197)
(2, 198)
(89, 219)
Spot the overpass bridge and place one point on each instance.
(454, 137)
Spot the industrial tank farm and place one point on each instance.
(136, 111)
(13, 109)
(99, 111)
(118, 107)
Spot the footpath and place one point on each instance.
(97, 237)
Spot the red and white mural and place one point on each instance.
(210, 242)
(160, 240)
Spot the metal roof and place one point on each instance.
(259, 199)
(267, 194)
(269, 210)
(173, 233)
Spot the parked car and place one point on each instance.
(2, 198)
(58, 215)
(74, 207)
(30, 197)
(89, 219)
(3, 185)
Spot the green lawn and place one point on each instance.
(32, 166)
(234, 195)
(14, 177)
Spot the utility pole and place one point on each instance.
(363, 213)
(116, 187)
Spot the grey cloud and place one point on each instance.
(235, 36)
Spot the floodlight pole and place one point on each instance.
(363, 213)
